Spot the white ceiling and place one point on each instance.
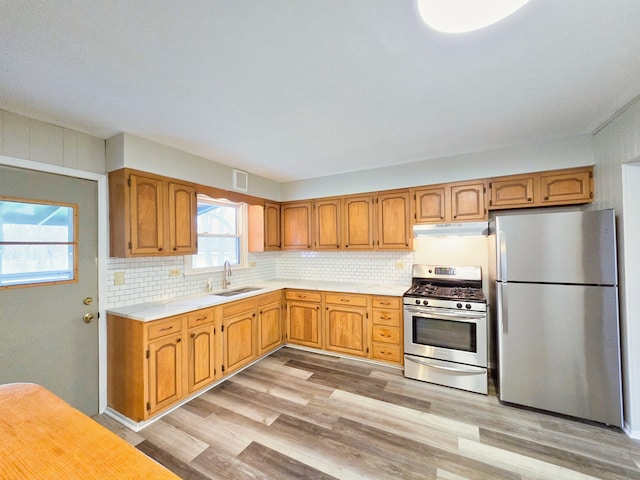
(292, 89)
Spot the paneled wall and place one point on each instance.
(617, 146)
(29, 139)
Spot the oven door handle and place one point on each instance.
(440, 367)
(454, 316)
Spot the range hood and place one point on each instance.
(451, 229)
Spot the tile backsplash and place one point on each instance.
(158, 278)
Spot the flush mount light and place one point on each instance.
(459, 16)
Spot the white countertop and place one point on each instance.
(146, 312)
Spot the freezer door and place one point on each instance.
(559, 349)
(557, 247)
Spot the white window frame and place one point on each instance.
(242, 225)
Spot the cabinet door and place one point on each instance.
(567, 188)
(183, 235)
(358, 223)
(511, 192)
(165, 372)
(269, 327)
(303, 324)
(327, 220)
(296, 226)
(147, 215)
(468, 202)
(394, 224)
(346, 329)
(271, 226)
(239, 341)
(201, 355)
(430, 205)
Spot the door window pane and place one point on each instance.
(37, 242)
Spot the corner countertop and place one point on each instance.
(155, 310)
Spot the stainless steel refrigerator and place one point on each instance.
(557, 313)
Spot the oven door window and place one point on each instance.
(449, 334)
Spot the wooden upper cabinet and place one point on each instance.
(271, 226)
(468, 201)
(573, 186)
(183, 210)
(511, 191)
(296, 225)
(151, 215)
(430, 204)
(559, 187)
(327, 224)
(147, 215)
(451, 202)
(394, 220)
(358, 218)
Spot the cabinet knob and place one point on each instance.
(178, 340)
(529, 199)
(193, 335)
(175, 249)
(546, 198)
(160, 249)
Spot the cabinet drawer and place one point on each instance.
(304, 295)
(386, 302)
(385, 351)
(164, 327)
(234, 308)
(201, 317)
(386, 317)
(346, 299)
(386, 335)
(268, 298)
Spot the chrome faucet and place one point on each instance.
(226, 273)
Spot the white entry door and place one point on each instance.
(47, 334)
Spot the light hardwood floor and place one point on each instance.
(299, 415)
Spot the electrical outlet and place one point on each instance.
(174, 272)
(118, 278)
(399, 265)
(252, 264)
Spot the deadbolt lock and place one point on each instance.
(87, 301)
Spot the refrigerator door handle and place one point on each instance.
(503, 316)
(502, 255)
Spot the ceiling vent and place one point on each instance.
(240, 180)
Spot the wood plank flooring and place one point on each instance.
(302, 415)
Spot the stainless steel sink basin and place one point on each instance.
(236, 291)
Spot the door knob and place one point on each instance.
(88, 317)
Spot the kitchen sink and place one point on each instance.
(236, 291)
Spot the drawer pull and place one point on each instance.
(302, 296)
(166, 329)
(201, 318)
(345, 300)
(385, 303)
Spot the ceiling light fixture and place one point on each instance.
(459, 16)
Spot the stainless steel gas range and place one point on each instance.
(445, 327)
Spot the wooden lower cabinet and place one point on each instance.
(165, 372)
(304, 318)
(386, 329)
(270, 322)
(346, 324)
(153, 365)
(202, 349)
(149, 368)
(238, 334)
